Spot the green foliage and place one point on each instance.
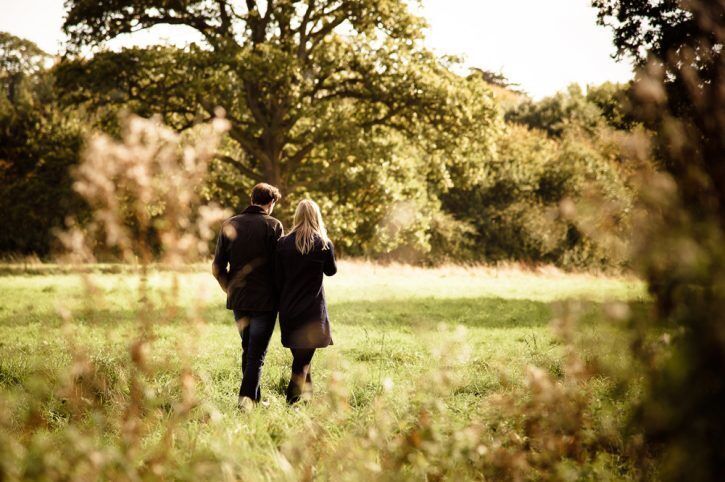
(613, 100)
(652, 33)
(512, 189)
(437, 179)
(559, 112)
(374, 192)
(19, 58)
(557, 156)
(38, 143)
(645, 30)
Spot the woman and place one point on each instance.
(303, 256)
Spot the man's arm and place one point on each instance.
(221, 260)
(272, 238)
(278, 272)
(278, 233)
(277, 268)
(330, 266)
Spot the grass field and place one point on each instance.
(410, 344)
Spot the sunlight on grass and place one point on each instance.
(394, 328)
(357, 282)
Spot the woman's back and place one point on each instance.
(302, 303)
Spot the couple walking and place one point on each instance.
(264, 272)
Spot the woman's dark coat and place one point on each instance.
(303, 314)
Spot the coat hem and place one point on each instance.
(298, 347)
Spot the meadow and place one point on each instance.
(416, 386)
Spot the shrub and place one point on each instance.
(523, 208)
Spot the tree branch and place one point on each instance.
(224, 15)
(250, 145)
(302, 30)
(250, 173)
(296, 159)
(268, 13)
(197, 23)
(320, 34)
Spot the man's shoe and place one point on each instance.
(245, 404)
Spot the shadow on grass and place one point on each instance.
(402, 314)
(468, 312)
(430, 312)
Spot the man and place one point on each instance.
(247, 244)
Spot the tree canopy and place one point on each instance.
(18, 55)
(294, 77)
(19, 58)
(647, 29)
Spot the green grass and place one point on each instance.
(397, 330)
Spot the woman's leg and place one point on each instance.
(301, 359)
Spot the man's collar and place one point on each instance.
(254, 209)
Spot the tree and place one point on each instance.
(681, 242)
(614, 102)
(38, 143)
(294, 76)
(648, 29)
(668, 35)
(559, 112)
(19, 58)
(497, 79)
(683, 41)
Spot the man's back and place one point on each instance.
(247, 243)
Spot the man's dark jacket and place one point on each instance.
(247, 243)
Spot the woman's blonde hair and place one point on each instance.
(308, 224)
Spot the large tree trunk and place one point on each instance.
(274, 142)
(273, 174)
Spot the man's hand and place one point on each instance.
(221, 276)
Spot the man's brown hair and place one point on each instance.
(263, 194)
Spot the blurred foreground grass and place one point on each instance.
(396, 329)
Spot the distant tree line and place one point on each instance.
(408, 160)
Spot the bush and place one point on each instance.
(38, 144)
(522, 210)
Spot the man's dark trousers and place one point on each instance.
(255, 328)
